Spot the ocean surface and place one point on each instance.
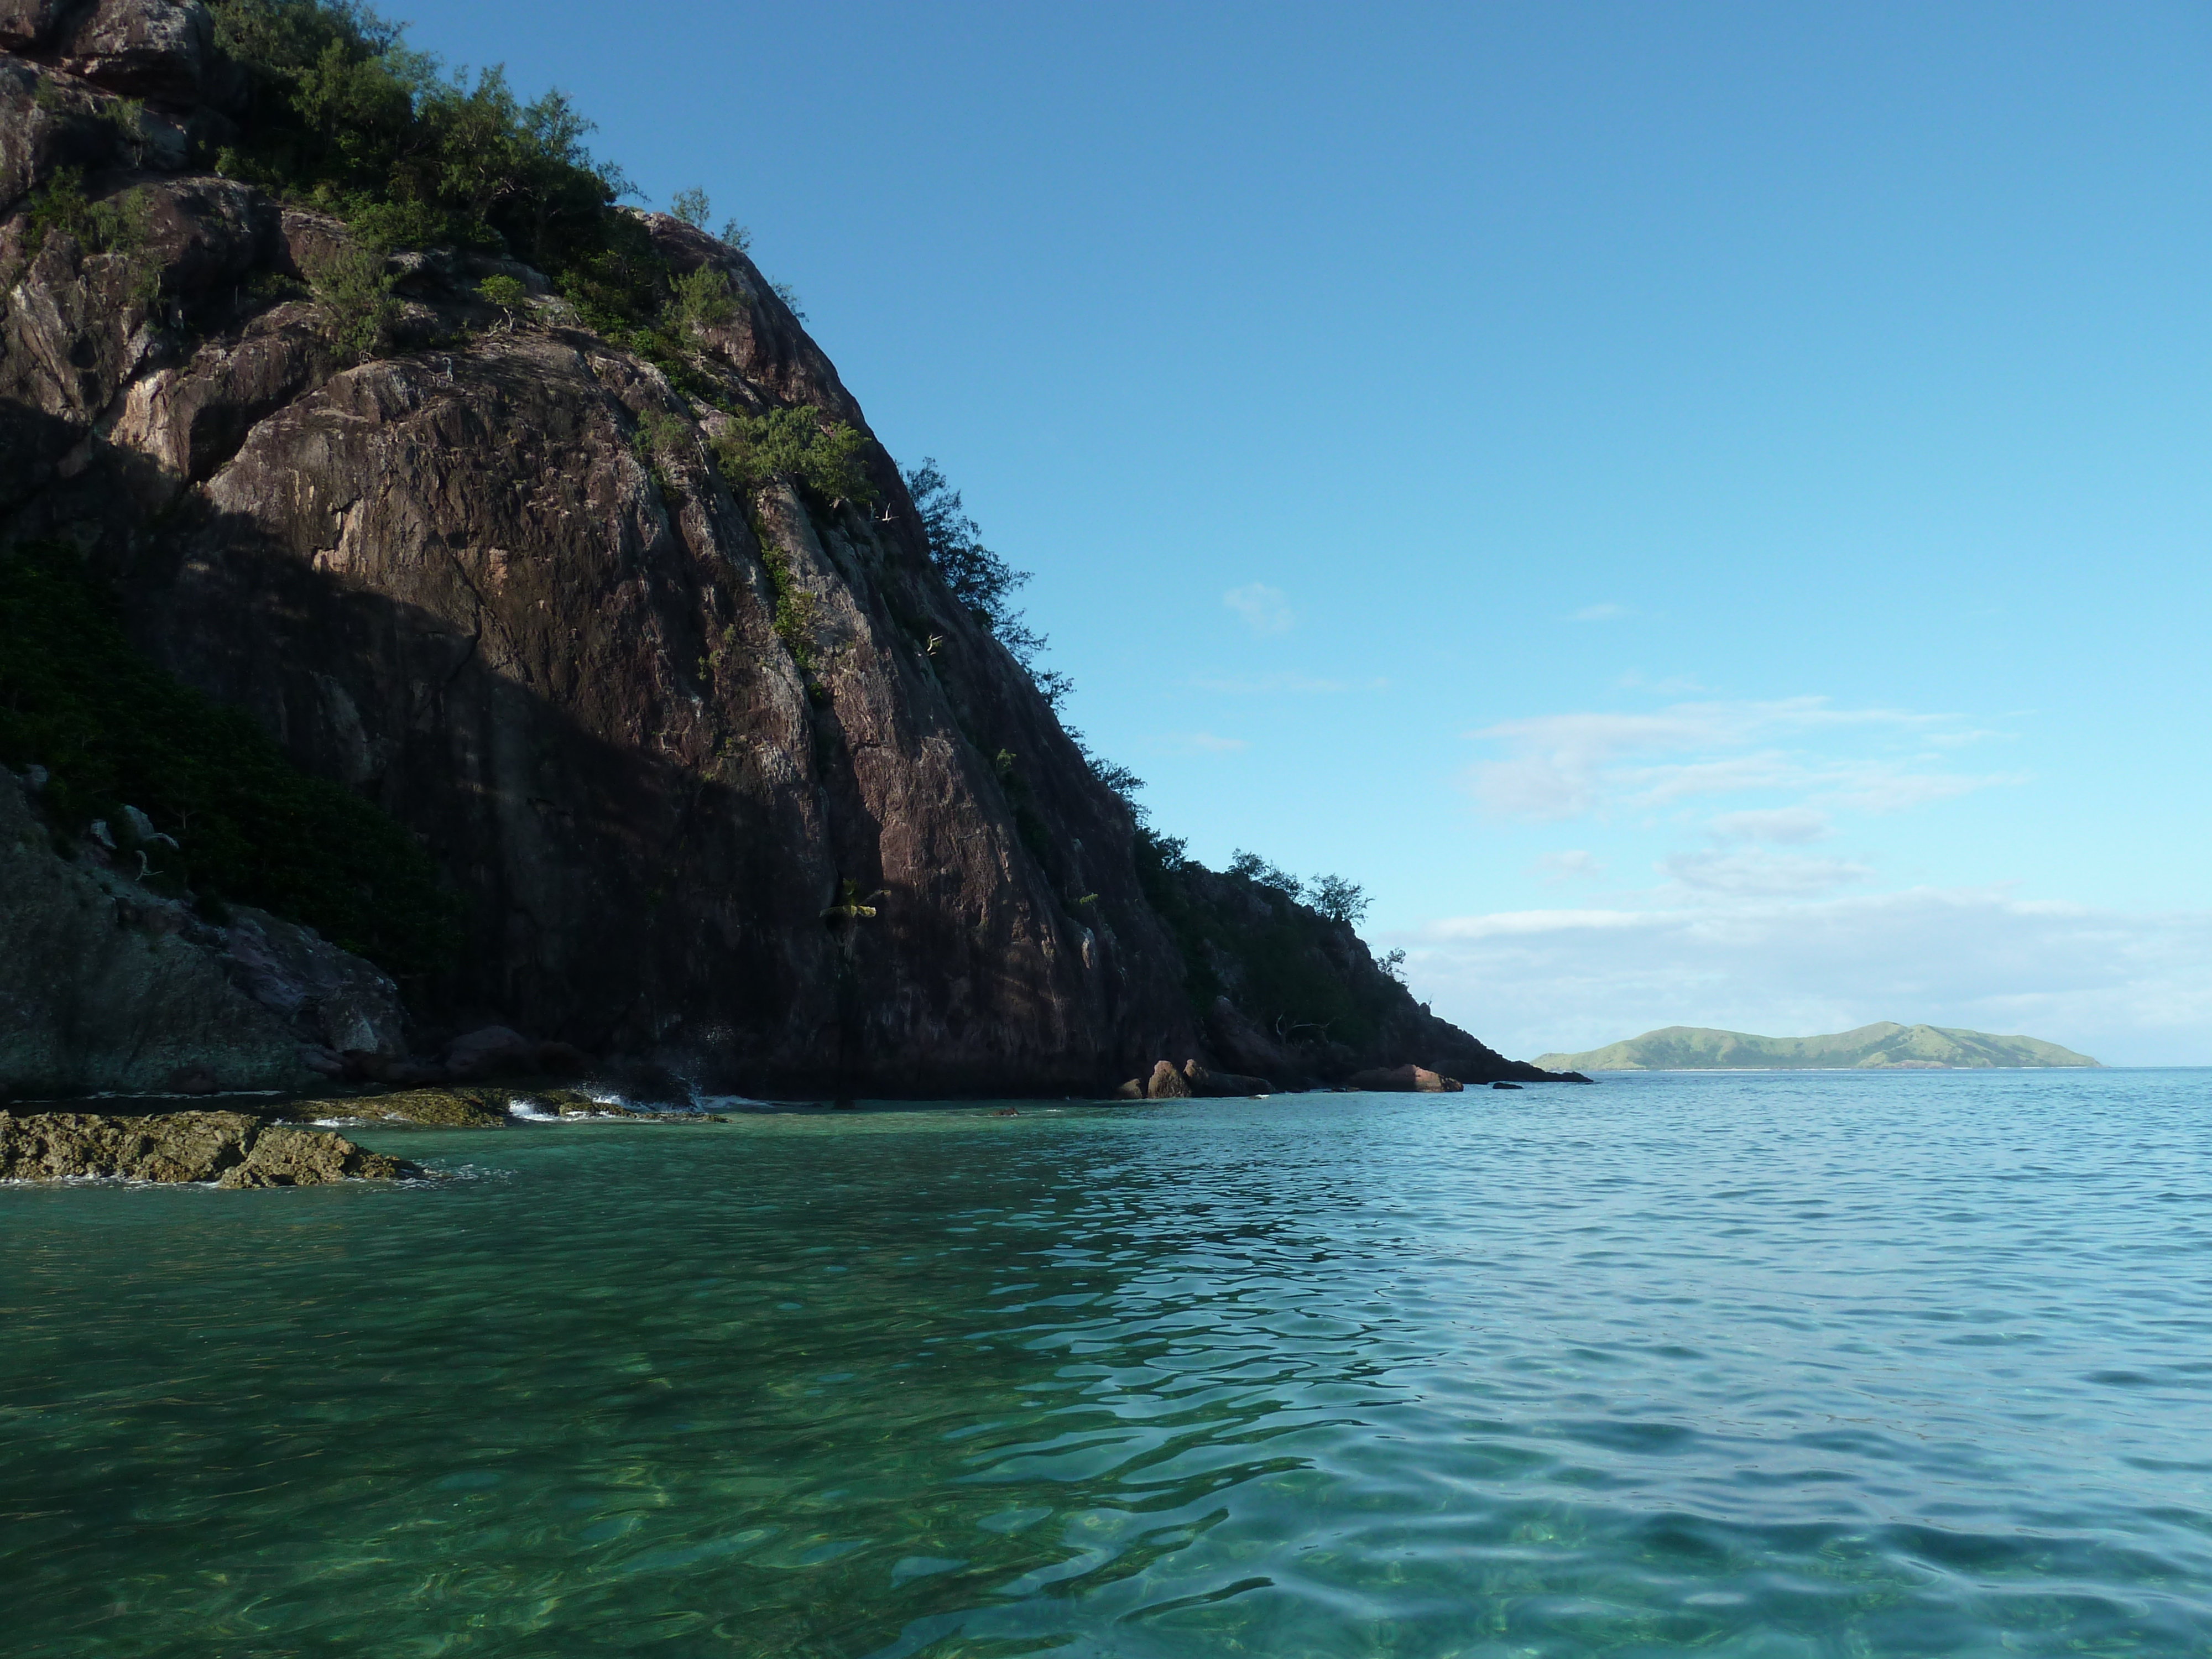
(1754, 1364)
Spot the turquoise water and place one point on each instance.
(1755, 1366)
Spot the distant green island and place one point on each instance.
(1887, 1045)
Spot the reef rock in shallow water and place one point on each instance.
(220, 1149)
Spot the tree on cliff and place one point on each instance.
(978, 577)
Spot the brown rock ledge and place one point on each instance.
(220, 1149)
(476, 1108)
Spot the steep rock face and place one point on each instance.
(107, 984)
(450, 579)
(735, 784)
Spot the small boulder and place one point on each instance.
(1167, 1083)
(1403, 1079)
(162, 49)
(1132, 1089)
(492, 1050)
(1221, 1086)
(1504, 1086)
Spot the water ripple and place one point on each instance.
(1821, 1365)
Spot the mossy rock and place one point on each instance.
(568, 1104)
(445, 1109)
(471, 1107)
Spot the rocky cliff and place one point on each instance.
(715, 767)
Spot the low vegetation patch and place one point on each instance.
(1276, 949)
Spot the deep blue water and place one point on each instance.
(1754, 1364)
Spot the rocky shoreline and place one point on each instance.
(168, 1140)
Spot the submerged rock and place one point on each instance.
(473, 1107)
(220, 1149)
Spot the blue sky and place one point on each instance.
(1704, 510)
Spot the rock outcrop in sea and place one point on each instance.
(718, 773)
(215, 1149)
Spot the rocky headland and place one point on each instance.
(517, 655)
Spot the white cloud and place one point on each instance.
(1761, 874)
(2132, 988)
(1878, 791)
(1960, 739)
(1599, 613)
(1560, 766)
(1787, 826)
(1199, 743)
(1265, 609)
(1572, 865)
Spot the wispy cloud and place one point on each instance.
(1265, 609)
(1599, 613)
(1757, 874)
(1786, 826)
(1876, 791)
(1561, 766)
(1571, 865)
(2132, 988)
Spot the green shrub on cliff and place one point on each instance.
(345, 115)
(1338, 899)
(356, 296)
(703, 300)
(118, 226)
(505, 292)
(113, 729)
(802, 445)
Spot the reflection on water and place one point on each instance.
(1776, 1365)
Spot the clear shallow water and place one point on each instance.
(1765, 1365)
